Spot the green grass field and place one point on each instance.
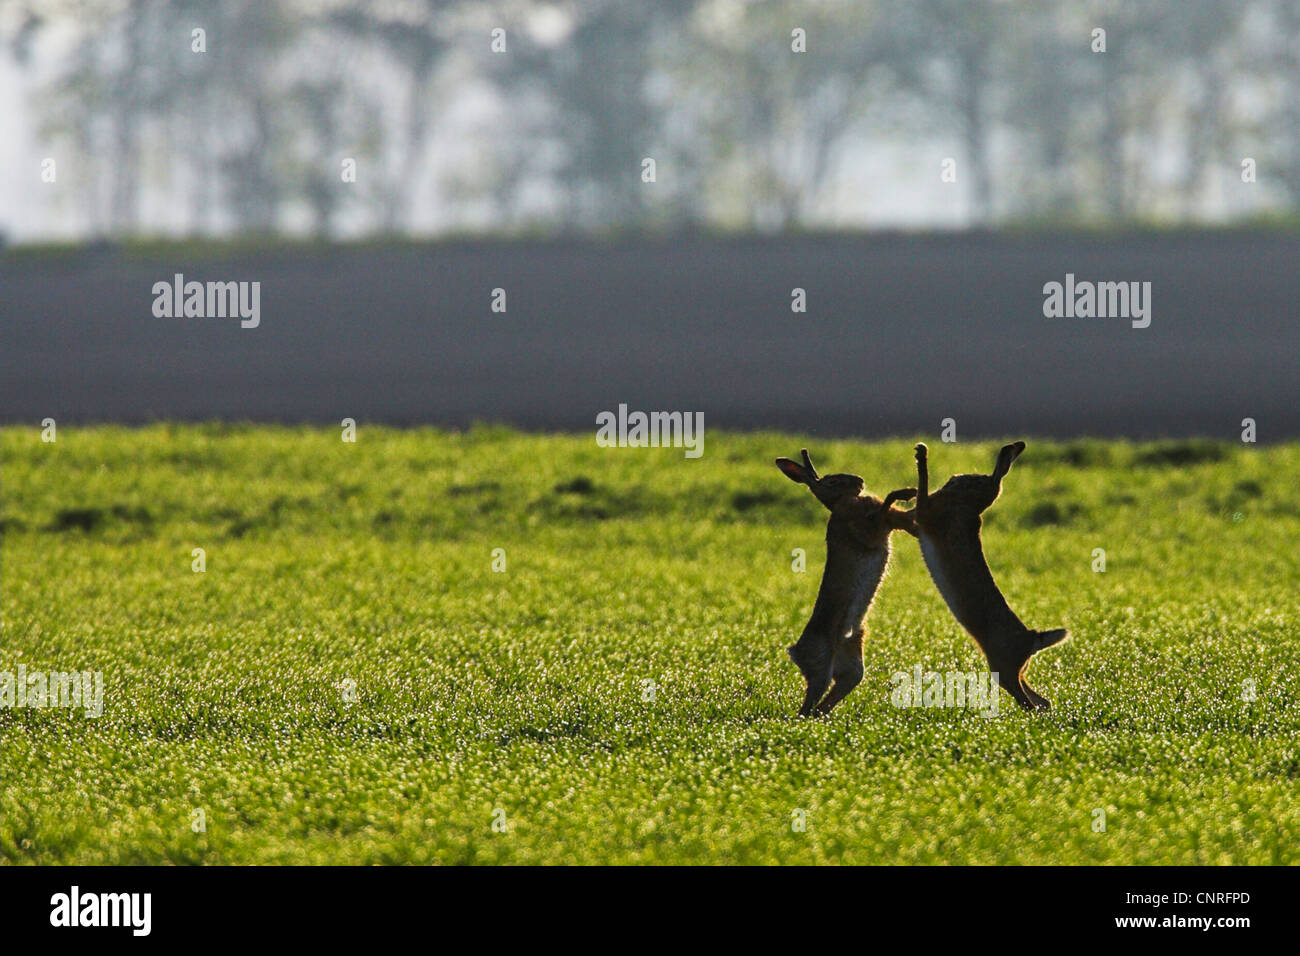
(521, 695)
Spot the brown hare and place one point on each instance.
(948, 526)
(857, 550)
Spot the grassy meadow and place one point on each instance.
(350, 681)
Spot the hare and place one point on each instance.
(948, 525)
(857, 550)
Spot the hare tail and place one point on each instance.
(1044, 639)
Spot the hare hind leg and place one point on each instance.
(1009, 678)
(1041, 641)
(1038, 701)
(815, 659)
(846, 669)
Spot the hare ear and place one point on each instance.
(807, 463)
(1006, 456)
(793, 470)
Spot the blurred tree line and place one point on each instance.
(455, 127)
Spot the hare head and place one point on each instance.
(978, 492)
(843, 495)
(829, 489)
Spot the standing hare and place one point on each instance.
(948, 525)
(857, 550)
